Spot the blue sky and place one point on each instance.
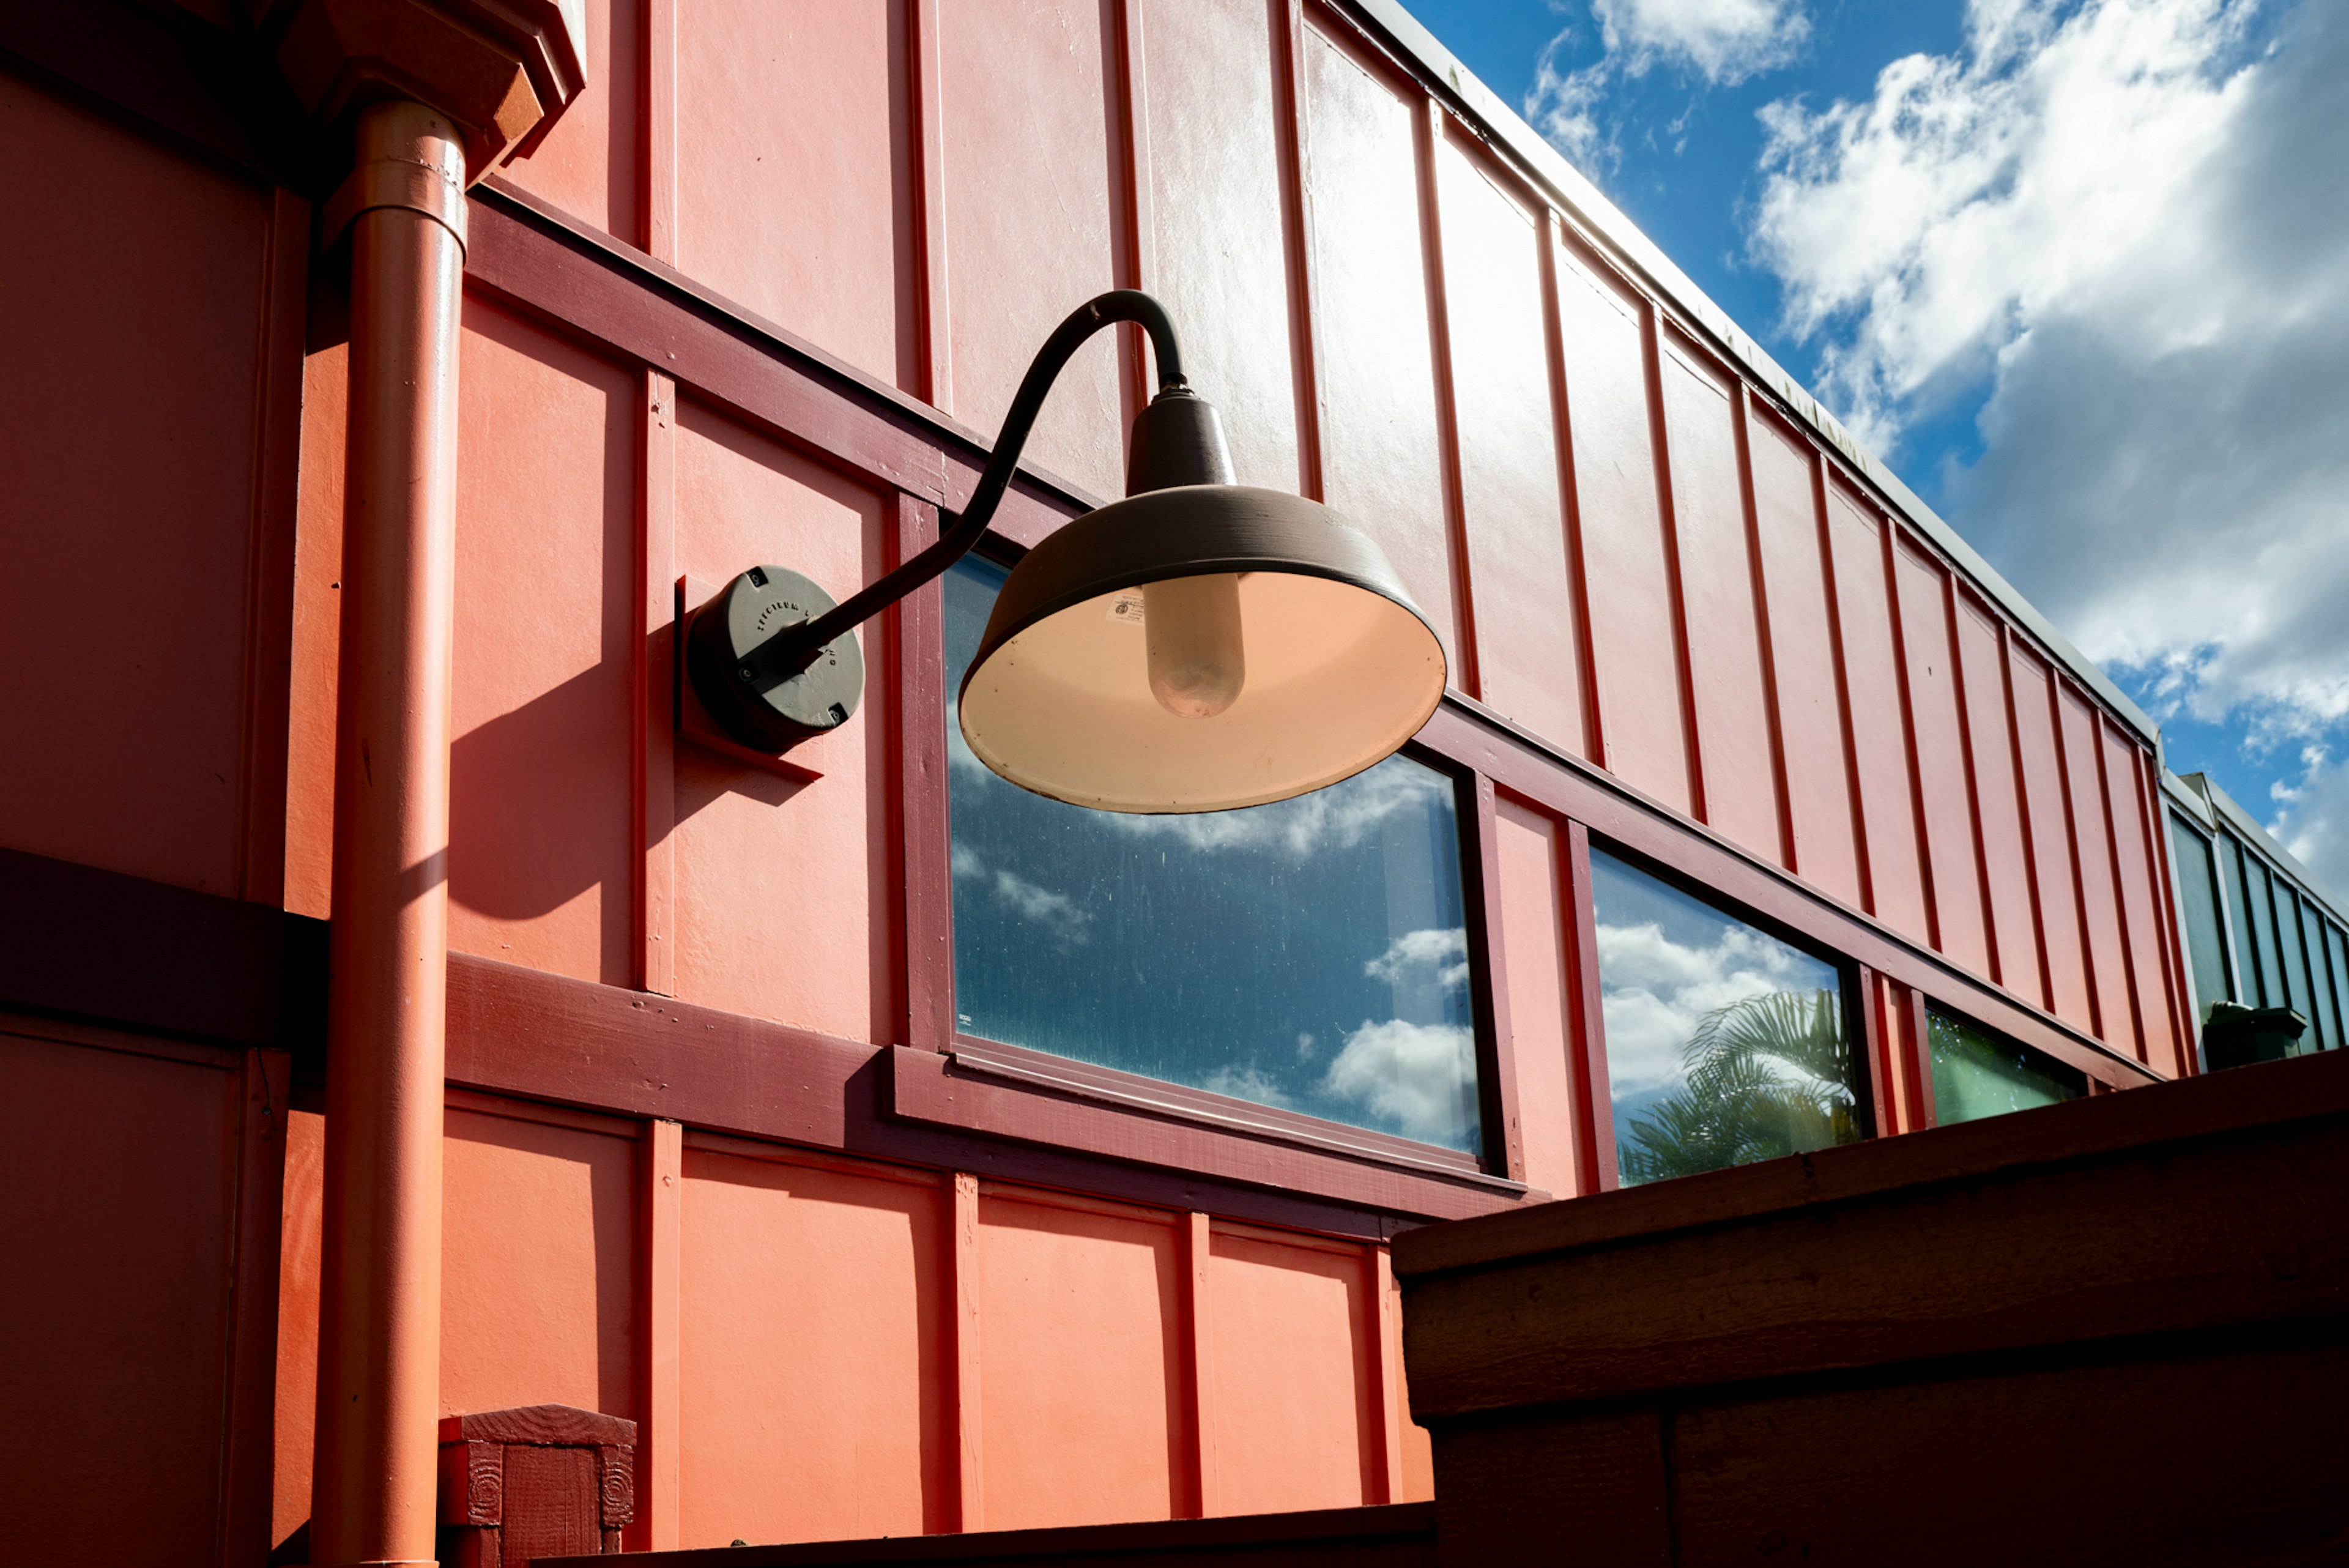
(2070, 266)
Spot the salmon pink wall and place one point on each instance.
(146, 437)
(782, 905)
(812, 1350)
(541, 844)
(1217, 240)
(537, 1298)
(794, 172)
(865, 1349)
(1380, 464)
(593, 161)
(1293, 1357)
(122, 1162)
(1081, 1412)
(1534, 894)
(1528, 617)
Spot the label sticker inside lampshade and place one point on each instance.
(1125, 604)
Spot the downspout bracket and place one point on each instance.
(395, 183)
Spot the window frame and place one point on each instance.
(2230, 964)
(1874, 1107)
(1922, 1027)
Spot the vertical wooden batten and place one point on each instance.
(922, 839)
(1740, 403)
(660, 235)
(1651, 370)
(1889, 536)
(1866, 851)
(2046, 995)
(1297, 205)
(263, 1088)
(1391, 1402)
(1593, 738)
(1198, 1255)
(924, 96)
(964, 1324)
(269, 590)
(1966, 750)
(656, 674)
(1595, 1137)
(1496, 1075)
(1133, 239)
(661, 1307)
(655, 895)
(1427, 137)
(1917, 1059)
(2139, 1039)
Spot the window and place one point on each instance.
(2198, 891)
(2263, 932)
(1725, 1045)
(2292, 961)
(2239, 921)
(2336, 953)
(1977, 1074)
(1311, 955)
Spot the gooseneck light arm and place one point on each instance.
(792, 649)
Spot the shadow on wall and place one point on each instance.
(519, 781)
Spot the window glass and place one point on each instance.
(2198, 891)
(2336, 948)
(2231, 890)
(1310, 954)
(2293, 959)
(2263, 933)
(1977, 1074)
(2310, 950)
(1724, 1043)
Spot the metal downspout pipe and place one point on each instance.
(380, 1301)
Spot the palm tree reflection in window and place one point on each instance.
(1725, 1045)
(1762, 1078)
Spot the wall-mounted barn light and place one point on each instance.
(1199, 645)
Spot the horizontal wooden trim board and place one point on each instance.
(925, 1087)
(133, 955)
(98, 944)
(1155, 1096)
(2191, 1205)
(581, 281)
(2305, 1088)
(1384, 1536)
(524, 1033)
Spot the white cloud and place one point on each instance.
(1246, 1083)
(2124, 219)
(1654, 991)
(1723, 41)
(1564, 106)
(1060, 916)
(2312, 817)
(1976, 196)
(1338, 817)
(1416, 953)
(1420, 1078)
(1719, 42)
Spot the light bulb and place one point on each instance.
(1197, 664)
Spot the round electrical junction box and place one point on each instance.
(761, 711)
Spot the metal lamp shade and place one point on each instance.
(1341, 668)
